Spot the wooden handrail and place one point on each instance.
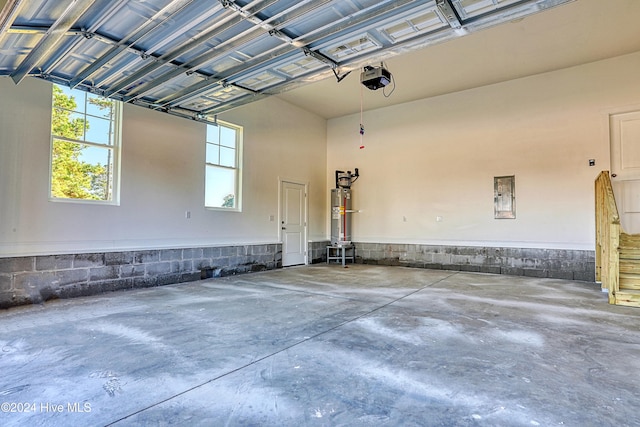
(610, 199)
(607, 236)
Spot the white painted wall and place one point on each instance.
(428, 158)
(162, 177)
(438, 156)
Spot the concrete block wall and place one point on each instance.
(35, 279)
(317, 251)
(551, 263)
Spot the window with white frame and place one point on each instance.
(222, 166)
(85, 146)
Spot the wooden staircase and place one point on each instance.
(617, 253)
(629, 277)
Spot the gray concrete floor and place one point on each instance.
(326, 346)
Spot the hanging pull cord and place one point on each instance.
(361, 119)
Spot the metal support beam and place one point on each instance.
(170, 56)
(8, 15)
(112, 9)
(23, 29)
(300, 43)
(281, 34)
(220, 50)
(256, 46)
(242, 11)
(219, 27)
(450, 13)
(166, 13)
(320, 57)
(57, 31)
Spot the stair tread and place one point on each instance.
(629, 271)
(628, 245)
(630, 298)
(628, 294)
(629, 287)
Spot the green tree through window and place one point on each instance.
(83, 145)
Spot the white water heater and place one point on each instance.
(341, 211)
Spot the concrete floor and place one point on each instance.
(326, 346)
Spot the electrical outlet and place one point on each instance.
(187, 214)
(438, 218)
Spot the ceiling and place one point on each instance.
(575, 33)
(197, 58)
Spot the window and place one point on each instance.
(222, 170)
(85, 134)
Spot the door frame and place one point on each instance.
(305, 206)
(615, 151)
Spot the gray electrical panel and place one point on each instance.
(504, 197)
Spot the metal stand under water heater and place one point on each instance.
(341, 211)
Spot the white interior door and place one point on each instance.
(293, 223)
(625, 168)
